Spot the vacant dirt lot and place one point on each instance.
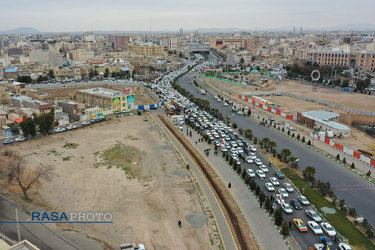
(127, 167)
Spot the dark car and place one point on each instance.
(328, 243)
(296, 204)
(279, 175)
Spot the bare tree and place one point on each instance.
(26, 178)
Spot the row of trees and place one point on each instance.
(42, 123)
(41, 78)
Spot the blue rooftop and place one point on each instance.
(14, 70)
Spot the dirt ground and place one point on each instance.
(148, 191)
(140, 95)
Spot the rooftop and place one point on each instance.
(324, 117)
(102, 92)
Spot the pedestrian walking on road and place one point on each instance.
(229, 185)
(261, 204)
(179, 224)
(196, 142)
(290, 224)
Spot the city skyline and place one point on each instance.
(167, 15)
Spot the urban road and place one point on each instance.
(355, 190)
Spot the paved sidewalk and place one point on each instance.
(264, 230)
(215, 207)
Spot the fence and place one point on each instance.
(344, 149)
(304, 98)
(269, 108)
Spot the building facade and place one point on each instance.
(113, 100)
(155, 50)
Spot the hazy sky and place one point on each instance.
(82, 15)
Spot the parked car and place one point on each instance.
(344, 246)
(261, 174)
(258, 162)
(8, 141)
(287, 209)
(313, 215)
(328, 229)
(288, 187)
(303, 200)
(274, 181)
(57, 130)
(279, 175)
(20, 138)
(85, 123)
(70, 127)
(329, 243)
(264, 168)
(315, 227)
(279, 198)
(249, 160)
(300, 225)
(283, 192)
(250, 172)
(270, 187)
(296, 204)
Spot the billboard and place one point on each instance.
(128, 91)
(130, 101)
(116, 104)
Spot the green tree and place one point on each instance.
(264, 143)
(309, 173)
(278, 216)
(243, 174)
(272, 145)
(262, 196)
(44, 122)
(106, 73)
(51, 74)
(285, 153)
(285, 229)
(91, 74)
(24, 79)
(28, 127)
(249, 134)
(257, 190)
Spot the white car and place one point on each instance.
(249, 160)
(20, 138)
(315, 227)
(279, 199)
(85, 123)
(263, 168)
(270, 187)
(287, 209)
(344, 246)
(283, 192)
(258, 162)
(303, 200)
(328, 229)
(70, 127)
(57, 130)
(250, 172)
(253, 149)
(274, 181)
(313, 215)
(261, 174)
(288, 187)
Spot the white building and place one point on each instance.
(327, 121)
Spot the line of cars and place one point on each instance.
(230, 142)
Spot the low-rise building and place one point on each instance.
(113, 100)
(324, 121)
(28, 102)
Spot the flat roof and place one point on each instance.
(324, 117)
(102, 92)
(321, 114)
(3, 112)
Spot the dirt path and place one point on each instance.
(241, 231)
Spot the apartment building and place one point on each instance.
(364, 60)
(82, 55)
(113, 100)
(249, 43)
(155, 50)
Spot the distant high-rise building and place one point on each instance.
(294, 30)
(118, 42)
